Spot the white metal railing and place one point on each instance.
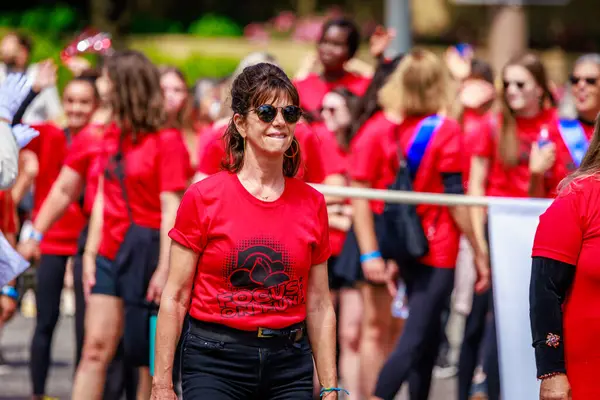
(398, 196)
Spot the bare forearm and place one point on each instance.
(461, 216)
(364, 226)
(536, 186)
(169, 204)
(52, 209)
(168, 330)
(95, 228)
(321, 331)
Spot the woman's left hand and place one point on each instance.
(157, 284)
(162, 393)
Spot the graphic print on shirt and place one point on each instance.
(260, 279)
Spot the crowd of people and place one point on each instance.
(193, 204)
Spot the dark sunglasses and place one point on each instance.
(520, 84)
(267, 113)
(576, 79)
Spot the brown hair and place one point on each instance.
(136, 98)
(184, 116)
(256, 85)
(419, 86)
(590, 164)
(508, 145)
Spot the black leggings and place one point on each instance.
(413, 358)
(50, 276)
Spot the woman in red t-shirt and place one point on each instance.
(574, 134)
(564, 288)
(145, 170)
(178, 105)
(411, 99)
(339, 42)
(248, 257)
(59, 242)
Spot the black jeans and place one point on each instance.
(413, 358)
(218, 370)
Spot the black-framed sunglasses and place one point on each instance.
(267, 113)
(576, 79)
(520, 84)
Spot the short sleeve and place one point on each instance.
(449, 154)
(564, 214)
(174, 162)
(211, 152)
(189, 229)
(85, 146)
(321, 250)
(7, 214)
(314, 168)
(366, 155)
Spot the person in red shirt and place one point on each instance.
(435, 164)
(564, 287)
(339, 42)
(57, 244)
(504, 165)
(575, 134)
(178, 104)
(255, 287)
(125, 262)
(334, 133)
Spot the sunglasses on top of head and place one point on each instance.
(576, 79)
(519, 84)
(267, 113)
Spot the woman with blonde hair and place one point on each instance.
(409, 129)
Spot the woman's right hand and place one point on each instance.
(555, 388)
(89, 273)
(374, 270)
(162, 393)
(29, 250)
(541, 159)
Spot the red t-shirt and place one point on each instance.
(443, 155)
(336, 163)
(474, 126)
(83, 158)
(7, 213)
(564, 160)
(51, 148)
(514, 181)
(373, 158)
(569, 231)
(212, 152)
(255, 256)
(156, 163)
(313, 88)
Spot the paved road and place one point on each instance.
(15, 385)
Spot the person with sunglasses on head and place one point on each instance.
(253, 280)
(144, 170)
(575, 134)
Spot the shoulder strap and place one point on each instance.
(419, 142)
(68, 136)
(574, 138)
(120, 172)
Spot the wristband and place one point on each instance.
(35, 235)
(11, 292)
(370, 256)
(325, 391)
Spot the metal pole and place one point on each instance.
(397, 16)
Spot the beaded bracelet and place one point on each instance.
(325, 391)
(550, 375)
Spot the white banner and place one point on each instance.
(512, 229)
(11, 262)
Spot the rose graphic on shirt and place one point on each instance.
(258, 267)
